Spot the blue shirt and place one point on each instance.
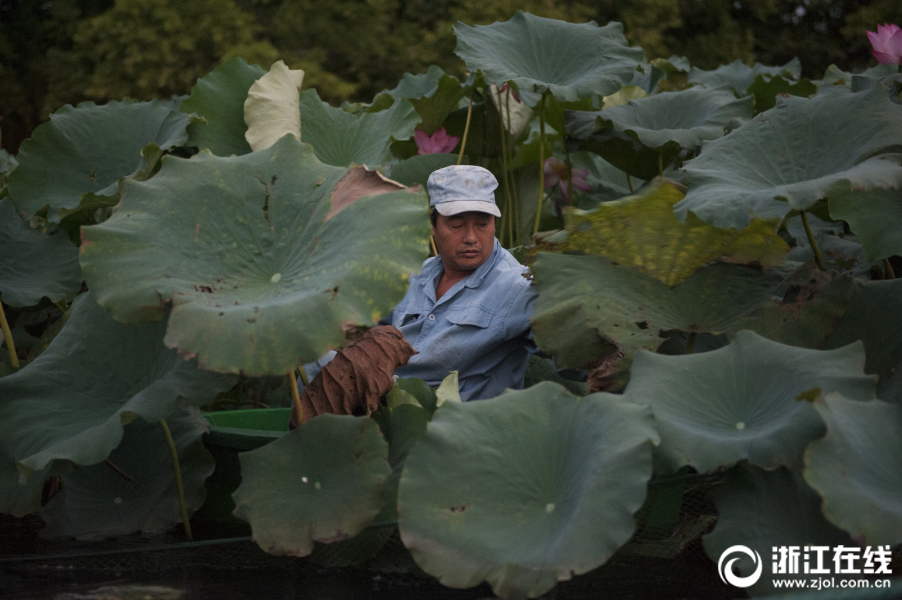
(479, 328)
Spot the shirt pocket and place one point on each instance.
(467, 338)
(474, 316)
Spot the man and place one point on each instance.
(468, 310)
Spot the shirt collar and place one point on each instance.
(434, 268)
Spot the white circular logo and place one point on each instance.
(726, 571)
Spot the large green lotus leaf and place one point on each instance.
(324, 482)
(587, 303)
(526, 489)
(662, 124)
(342, 139)
(434, 95)
(32, 264)
(857, 468)
(97, 502)
(218, 98)
(747, 400)
(809, 316)
(642, 232)
(786, 158)
(88, 148)
(272, 107)
(875, 216)
(263, 256)
(570, 61)
(72, 402)
(739, 76)
(874, 316)
(763, 510)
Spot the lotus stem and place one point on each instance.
(8, 337)
(295, 394)
(463, 142)
(888, 270)
(434, 249)
(817, 251)
(570, 191)
(629, 180)
(690, 343)
(505, 158)
(122, 473)
(541, 162)
(179, 486)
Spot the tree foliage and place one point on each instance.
(68, 51)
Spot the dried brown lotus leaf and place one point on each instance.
(358, 376)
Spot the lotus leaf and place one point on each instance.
(324, 482)
(836, 76)
(587, 303)
(739, 76)
(536, 486)
(607, 181)
(662, 125)
(402, 426)
(624, 96)
(342, 139)
(72, 402)
(642, 232)
(88, 148)
(744, 401)
(808, 317)
(786, 158)
(421, 85)
(98, 502)
(272, 108)
(875, 216)
(766, 88)
(34, 265)
(766, 509)
(857, 468)
(539, 55)
(20, 499)
(433, 94)
(263, 256)
(418, 168)
(874, 316)
(218, 98)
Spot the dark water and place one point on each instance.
(166, 568)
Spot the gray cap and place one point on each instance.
(462, 188)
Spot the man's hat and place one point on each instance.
(462, 188)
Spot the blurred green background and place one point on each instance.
(54, 52)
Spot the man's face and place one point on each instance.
(465, 240)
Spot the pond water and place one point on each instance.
(167, 568)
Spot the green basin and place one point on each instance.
(231, 432)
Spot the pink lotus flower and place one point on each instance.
(557, 174)
(439, 142)
(887, 43)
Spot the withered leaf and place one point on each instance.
(354, 381)
(357, 183)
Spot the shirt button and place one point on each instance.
(432, 317)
